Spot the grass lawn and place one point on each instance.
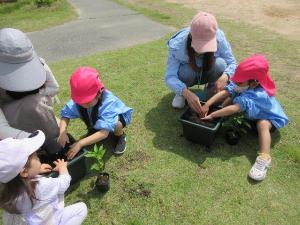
(188, 185)
(164, 179)
(26, 16)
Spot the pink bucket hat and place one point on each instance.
(85, 85)
(203, 30)
(256, 67)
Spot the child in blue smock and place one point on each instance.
(100, 110)
(253, 93)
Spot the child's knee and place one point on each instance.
(120, 125)
(187, 75)
(263, 125)
(119, 129)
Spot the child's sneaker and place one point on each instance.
(121, 144)
(259, 170)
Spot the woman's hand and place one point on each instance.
(74, 149)
(63, 138)
(60, 166)
(193, 101)
(205, 109)
(221, 82)
(45, 168)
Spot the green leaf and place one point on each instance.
(95, 147)
(101, 154)
(90, 155)
(96, 167)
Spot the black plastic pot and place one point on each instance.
(197, 130)
(102, 182)
(232, 137)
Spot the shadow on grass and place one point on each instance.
(163, 121)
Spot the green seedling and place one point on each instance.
(238, 123)
(97, 154)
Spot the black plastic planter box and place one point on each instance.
(200, 132)
(76, 167)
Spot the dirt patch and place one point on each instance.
(281, 16)
(133, 161)
(201, 170)
(138, 190)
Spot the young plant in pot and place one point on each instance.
(236, 126)
(102, 182)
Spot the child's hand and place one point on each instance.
(208, 117)
(45, 168)
(74, 149)
(60, 166)
(63, 138)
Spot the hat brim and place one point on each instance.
(201, 46)
(267, 83)
(32, 144)
(237, 79)
(83, 100)
(20, 77)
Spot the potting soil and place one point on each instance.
(192, 116)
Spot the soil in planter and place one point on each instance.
(192, 116)
(50, 158)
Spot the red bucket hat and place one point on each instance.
(256, 67)
(85, 85)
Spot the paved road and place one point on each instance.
(102, 25)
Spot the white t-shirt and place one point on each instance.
(48, 209)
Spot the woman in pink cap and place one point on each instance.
(253, 93)
(100, 110)
(199, 54)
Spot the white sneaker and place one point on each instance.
(259, 170)
(178, 102)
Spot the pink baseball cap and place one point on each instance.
(203, 30)
(256, 67)
(14, 154)
(85, 85)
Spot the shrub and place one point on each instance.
(40, 3)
